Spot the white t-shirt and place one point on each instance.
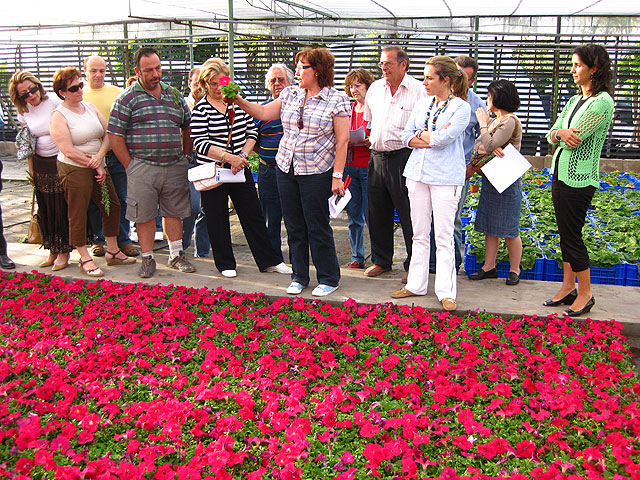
(38, 119)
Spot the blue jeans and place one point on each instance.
(197, 220)
(270, 204)
(119, 179)
(457, 234)
(306, 215)
(358, 211)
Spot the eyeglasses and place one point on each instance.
(385, 64)
(300, 123)
(276, 79)
(304, 67)
(28, 93)
(74, 88)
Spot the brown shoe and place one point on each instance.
(403, 293)
(97, 250)
(449, 304)
(129, 250)
(113, 259)
(375, 270)
(405, 277)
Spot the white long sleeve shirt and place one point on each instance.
(443, 163)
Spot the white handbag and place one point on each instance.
(204, 177)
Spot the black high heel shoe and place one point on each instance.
(567, 300)
(587, 308)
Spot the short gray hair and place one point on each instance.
(287, 71)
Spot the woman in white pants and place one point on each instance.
(435, 175)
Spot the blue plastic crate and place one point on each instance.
(616, 275)
(633, 279)
(471, 265)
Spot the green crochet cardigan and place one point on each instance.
(579, 167)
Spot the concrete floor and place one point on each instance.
(494, 296)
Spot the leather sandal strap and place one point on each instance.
(82, 262)
(113, 255)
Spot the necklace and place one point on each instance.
(437, 112)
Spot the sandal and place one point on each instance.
(94, 272)
(449, 304)
(118, 261)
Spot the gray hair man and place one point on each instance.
(277, 78)
(388, 105)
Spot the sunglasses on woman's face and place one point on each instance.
(28, 93)
(74, 88)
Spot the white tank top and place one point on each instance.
(86, 132)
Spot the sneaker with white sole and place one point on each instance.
(295, 288)
(323, 290)
(280, 268)
(229, 273)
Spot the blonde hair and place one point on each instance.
(131, 80)
(212, 67)
(446, 67)
(16, 79)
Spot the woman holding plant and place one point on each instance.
(222, 135)
(499, 213)
(579, 133)
(34, 108)
(78, 129)
(310, 163)
(435, 175)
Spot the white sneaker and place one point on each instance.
(280, 268)
(229, 273)
(158, 237)
(134, 235)
(323, 290)
(295, 288)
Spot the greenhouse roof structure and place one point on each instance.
(44, 13)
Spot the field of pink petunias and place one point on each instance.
(107, 381)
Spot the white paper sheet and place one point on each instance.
(335, 209)
(357, 135)
(502, 172)
(225, 175)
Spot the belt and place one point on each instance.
(267, 164)
(388, 153)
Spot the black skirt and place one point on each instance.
(52, 206)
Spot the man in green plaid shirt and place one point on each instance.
(149, 133)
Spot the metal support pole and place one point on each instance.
(555, 101)
(125, 51)
(231, 37)
(191, 60)
(476, 38)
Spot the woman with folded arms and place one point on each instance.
(79, 131)
(435, 175)
(35, 107)
(579, 133)
(222, 135)
(310, 163)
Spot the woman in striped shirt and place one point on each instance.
(226, 135)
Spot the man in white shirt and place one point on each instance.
(387, 108)
(102, 95)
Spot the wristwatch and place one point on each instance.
(244, 155)
(337, 175)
